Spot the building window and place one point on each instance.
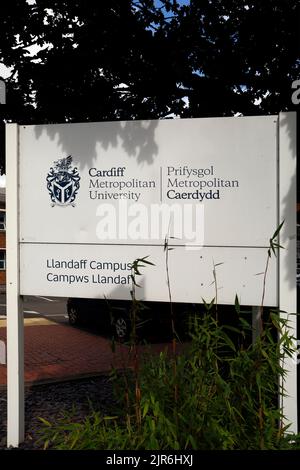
(2, 220)
(2, 260)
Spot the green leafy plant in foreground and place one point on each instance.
(226, 390)
(226, 399)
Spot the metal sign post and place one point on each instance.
(287, 291)
(15, 322)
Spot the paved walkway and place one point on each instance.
(56, 352)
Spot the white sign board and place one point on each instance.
(85, 200)
(96, 196)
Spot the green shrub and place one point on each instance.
(219, 391)
(213, 395)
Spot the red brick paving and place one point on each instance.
(59, 352)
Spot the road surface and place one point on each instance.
(52, 308)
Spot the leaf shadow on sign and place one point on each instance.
(288, 212)
(122, 292)
(87, 141)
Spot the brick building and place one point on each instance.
(2, 242)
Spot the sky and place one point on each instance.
(2, 181)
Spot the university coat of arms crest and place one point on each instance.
(63, 182)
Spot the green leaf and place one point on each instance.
(237, 304)
(46, 444)
(208, 306)
(145, 409)
(276, 245)
(277, 231)
(245, 324)
(192, 441)
(44, 421)
(147, 261)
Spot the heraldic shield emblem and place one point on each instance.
(63, 182)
